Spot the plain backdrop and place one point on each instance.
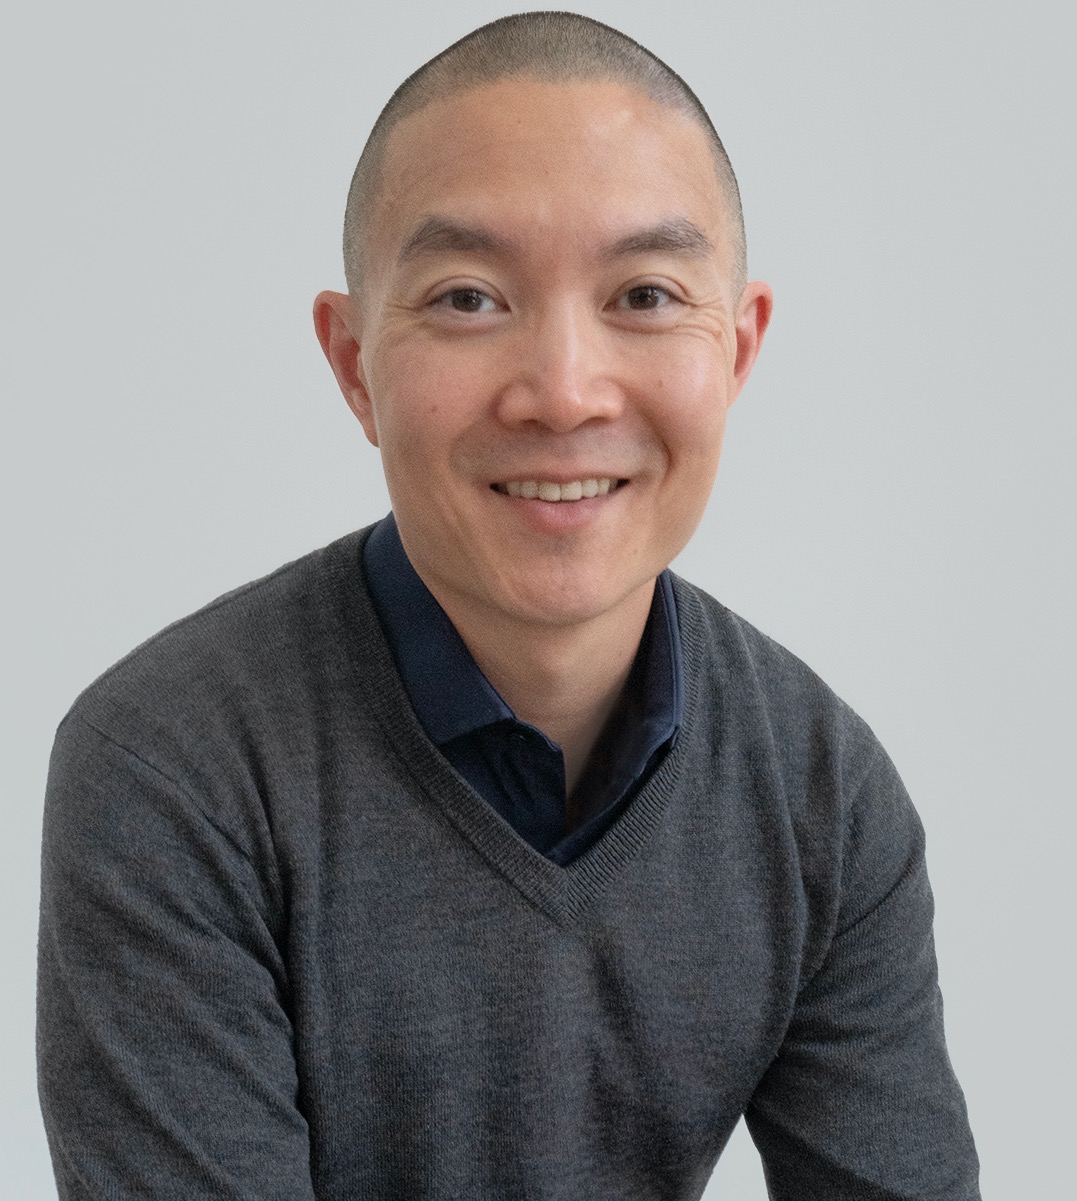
(895, 503)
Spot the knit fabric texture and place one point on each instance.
(287, 953)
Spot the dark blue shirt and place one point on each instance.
(511, 764)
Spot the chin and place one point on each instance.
(570, 603)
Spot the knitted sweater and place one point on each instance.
(287, 953)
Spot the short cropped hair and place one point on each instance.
(554, 47)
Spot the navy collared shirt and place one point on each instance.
(513, 765)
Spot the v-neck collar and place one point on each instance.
(563, 893)
(515, 767)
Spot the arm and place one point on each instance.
(861, 1101)
(165, 1055)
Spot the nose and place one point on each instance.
(561, 374)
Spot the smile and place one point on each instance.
(549, 491)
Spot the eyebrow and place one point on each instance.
(440, 235)
(675, 236)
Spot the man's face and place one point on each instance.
(548, 307)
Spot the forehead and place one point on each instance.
(572, 162)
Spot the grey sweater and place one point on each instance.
(287, 953)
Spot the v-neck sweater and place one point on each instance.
(286, 951)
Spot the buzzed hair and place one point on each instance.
(554, 47)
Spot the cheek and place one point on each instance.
(691, 401)
(413, 405)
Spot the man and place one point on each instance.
(475, 855)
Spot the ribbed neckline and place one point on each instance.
(562, 893)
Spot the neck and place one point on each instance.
(565, 681)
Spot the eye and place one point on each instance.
(465, 300)
(644, 297)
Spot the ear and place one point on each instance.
(753, 317)
(337, 327)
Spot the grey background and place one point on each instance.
(895, 502)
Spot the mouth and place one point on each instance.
(555, 493)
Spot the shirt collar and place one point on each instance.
(449, 693)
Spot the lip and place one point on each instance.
(562, 517)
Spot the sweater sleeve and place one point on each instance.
(861, 1101)
(166, 1067)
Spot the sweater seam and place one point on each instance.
(189, 796)
(904, 875)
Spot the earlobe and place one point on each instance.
(337, 327)
(753, 317)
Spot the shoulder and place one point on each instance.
(756, 682)
(245, 661)
(782, 732)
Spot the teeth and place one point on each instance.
(549, 491)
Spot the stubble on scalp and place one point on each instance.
(552, 47)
